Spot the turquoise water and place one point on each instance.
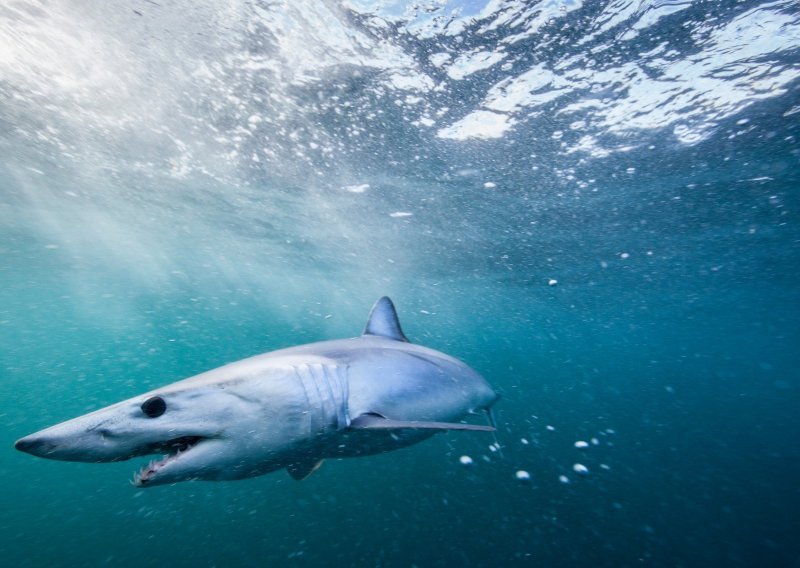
(180, 192)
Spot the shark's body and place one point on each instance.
(284, 409)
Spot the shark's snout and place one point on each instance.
(35, 445)
(75, 440)
(53, 447)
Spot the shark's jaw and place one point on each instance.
(175, 448)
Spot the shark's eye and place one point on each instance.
(154, 407)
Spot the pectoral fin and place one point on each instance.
(372, 421)
(303, 468)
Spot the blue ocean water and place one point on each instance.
(591, 203)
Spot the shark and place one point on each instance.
(286, 409)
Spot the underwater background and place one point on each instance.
(592, 203)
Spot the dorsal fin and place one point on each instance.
(383, 321)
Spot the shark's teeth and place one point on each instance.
(142, 476)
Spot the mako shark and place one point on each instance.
(290, 408)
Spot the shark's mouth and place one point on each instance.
(174, 448)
